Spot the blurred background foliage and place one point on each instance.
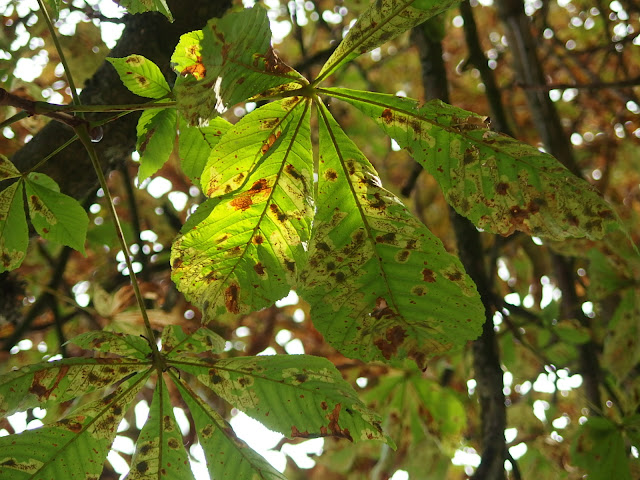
(590, 55)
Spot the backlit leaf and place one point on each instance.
(47, 383)
(230, 62)
(160, 452)
(113, 342)
(7, 169)
(600, 450)
(227, 456)
(141, 76)
(500, 184)
(245, 254)
(55, 215)
(175, 342)
(72, 448)
(382, 21)
(296, 395)
(380, 285)
(156, 135)
(141, 6)
(14, 233)
(195, 145)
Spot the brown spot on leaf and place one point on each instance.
(258, 239)
(290, 265)
(280, 215)
(379, 202)
(387, 116)
(197, 70)
(382, 309)
(428, 275)
(231, 298)
(386, 238)
(173, 443)
(142, 467)
(334, 426)
(502, 188)
(455, 276)
(388, 346)
(324, 405)
(402, 256)
(331, 175)
(259, 268)
(295, 433)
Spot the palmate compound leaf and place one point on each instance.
(296, 395)
(500, 184)
(246, 253)
(380, 285)
(141, 76)
(195, 145)
(160, 452)
(382, 21)
(54, 215)
(73, 448)
(49, 383)
(228, 62)
(156, 131)
(227, 456)
(14, 233)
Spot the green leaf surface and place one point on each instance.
(296, 395)
(176, 342)
(500, 184)
(14, 233)
(600, 450)
(382, 21)
(246, 253)
(622, 344)
(227, 456)
(141, 76)
(121, 344)
(156, 132)
(7, 169)
(381, 286)
(54, 215)
(48, 383)
(141, 6)
(72, 448)
(160, 452)
(230, 62)
(195, 145)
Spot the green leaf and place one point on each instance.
(7, 169)
(14, 233)
(245, 254)
(380, 284)
(571, 331)
(156, 135)
(121, 344)
(230, 62)
(227, 456)
(48, 383)
(141, 76)
(72, 448)
(500, 184)
(195, 145)
(141, 6)
(54, 215)
(55, 6)
(382, 21)
(622, 344)
(296, 395)
(160, 452)
(176, 343)
(600, 450)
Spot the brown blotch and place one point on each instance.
(260, 186)
(379, 203)
(324, 405)
(402, 256)
(394, 337)
(242, 202)
(173, 443)
(502, 188)
(334, 426)
(231, 298)
(387, 116)
(295, 433)
(301, 377)
(280, 215)
(290, 265)
(291, 170)
(331, 175)
(382, 309)
(197, 70)
(142, 467)
(258, 239)
(259, 268)
(386, 238)
(455, 276)
(428, 275)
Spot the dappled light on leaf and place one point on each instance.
(245, 254)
